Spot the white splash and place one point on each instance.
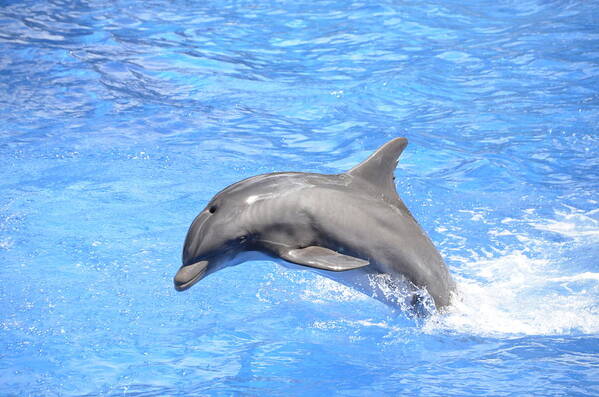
(525, 291)
(321, 289)
(573, 223)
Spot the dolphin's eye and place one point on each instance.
(212, 209)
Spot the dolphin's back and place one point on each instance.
(379, 229)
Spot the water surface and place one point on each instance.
(120, 120)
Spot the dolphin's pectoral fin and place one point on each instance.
(323, 258)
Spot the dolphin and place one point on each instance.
(352, 223)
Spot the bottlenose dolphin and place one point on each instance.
(353, 222)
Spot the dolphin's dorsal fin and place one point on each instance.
(378, 168)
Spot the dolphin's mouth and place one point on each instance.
(189, 275)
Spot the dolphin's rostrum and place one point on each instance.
(353, 222)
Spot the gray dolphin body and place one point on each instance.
(353, 222)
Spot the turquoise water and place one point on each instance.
(120, 120)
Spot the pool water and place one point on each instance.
(121, 119)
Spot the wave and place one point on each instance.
(519, 292)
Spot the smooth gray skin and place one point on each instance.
(353, 221)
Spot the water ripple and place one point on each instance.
(121, 119)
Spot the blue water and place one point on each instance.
(121, 119)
